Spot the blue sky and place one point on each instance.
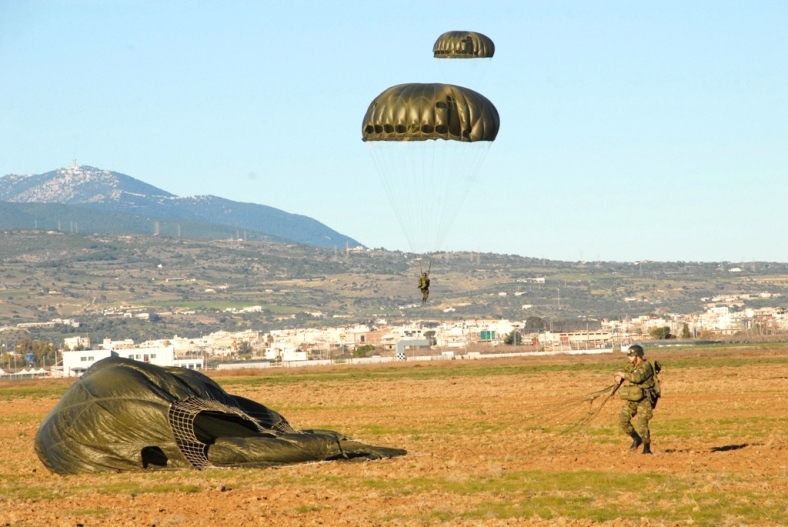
(632, 130)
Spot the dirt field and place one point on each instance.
(487, 441)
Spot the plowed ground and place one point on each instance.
(490, 442)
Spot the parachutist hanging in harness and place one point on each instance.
(424, 285)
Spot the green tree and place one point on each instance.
(43, 352)
(513, 339)
(660, 333)
(362, 351)
(430, 335)
(685, 331)
(245, 349)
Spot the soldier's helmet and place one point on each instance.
(635, 349)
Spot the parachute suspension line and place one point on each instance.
(389, 165)
(455, 173)
(421, 269)
(459, 177)
(426, 170)
(426, 183)
(592, 412)
(568, 415)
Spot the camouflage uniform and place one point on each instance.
(643, 376)
(424, 285)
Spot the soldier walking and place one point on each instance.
(639, 398)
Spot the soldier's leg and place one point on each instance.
(628, 411)
(644, 413)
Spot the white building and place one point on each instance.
(76, 362)
(109, 344)
(75, 342)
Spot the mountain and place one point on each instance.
(122, 203)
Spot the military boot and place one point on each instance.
(647, 448)
(636, 441)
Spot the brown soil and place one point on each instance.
(462, 429)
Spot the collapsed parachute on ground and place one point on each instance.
(428, 142)
(125, 415)
(463, 44)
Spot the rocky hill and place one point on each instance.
(131, 201)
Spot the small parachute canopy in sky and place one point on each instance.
(418, 112)
(428, 142)
(463, 45)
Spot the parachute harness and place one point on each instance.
(182, 415)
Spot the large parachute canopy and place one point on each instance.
(418, 112)
(463, 45)
(126, 415)
(428, 142)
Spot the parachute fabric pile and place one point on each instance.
(126, 415)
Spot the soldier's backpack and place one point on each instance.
(655, 392)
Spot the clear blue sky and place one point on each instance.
(631, 130)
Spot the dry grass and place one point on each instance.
(484, 445)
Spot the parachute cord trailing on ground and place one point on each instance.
(590, 408)
(126, 415)
(567, 415)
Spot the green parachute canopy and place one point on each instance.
(463, 45)
(419, 112)
(125, 415)
(427, 180)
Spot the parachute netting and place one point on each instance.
(182, 415)
(427, 183)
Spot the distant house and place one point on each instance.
(76, 362)
(71, 343)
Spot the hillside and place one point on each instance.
(135, 207)
(190, 285)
